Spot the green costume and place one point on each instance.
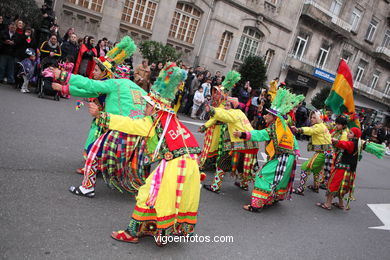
(123, 97)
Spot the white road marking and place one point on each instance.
(382, 211)
(192, 123)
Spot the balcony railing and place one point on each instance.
(335, 19)
(311, 63)
(370, 91)
(383, 50)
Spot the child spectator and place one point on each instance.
(28, 71)
(198, 101)
(206, 108)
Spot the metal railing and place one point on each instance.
(335, 19)
(383, 50)
(311, 63)
(369, 90)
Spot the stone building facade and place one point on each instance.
(356, 30)
(301, 41)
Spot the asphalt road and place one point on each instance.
(41, 144)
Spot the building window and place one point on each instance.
(386, 39)
(360, 70)
(185, 22)
(387, 88)
(300, 45)
(274, 2)
(355, 19)
(346, 56)
(371, 30)
(94, 5)
(139, 12)
(335, 7)
(375, 78)
(268, 57)
(224, 45)
(323, 55)
(249, 43)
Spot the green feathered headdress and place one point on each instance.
(123, 50)
(230, 80)
(163, 92)
(284, 102)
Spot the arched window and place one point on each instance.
(185, 22)
(139, 12)
(224, 45)
(249, 43)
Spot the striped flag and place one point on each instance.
(340, 99)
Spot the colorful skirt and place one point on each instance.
(175, 208)
(263, 192)
(120, 160)
(210, 145)
(341, 182)
(315, 164)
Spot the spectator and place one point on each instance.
(100, 48)
(206, 108)
(85, 63)
(301, 116)
(70, 47)
(7, 54)
(51, 50)
(217, 82)
(186, 93)
(155, 71)
(214, 79)
(68, 34)
(197, 102)
(19, 27)
(105, 44)
(3, 26)
(23, 42)
(195, 84)
(142, 75)
(109, 45)
(244, 95)
(253, 103)
(55, 29)
(377, 134)
(207, 87)
(28, 72)
(47, 20)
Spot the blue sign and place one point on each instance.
(322, 74)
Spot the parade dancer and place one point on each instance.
(274, 181)
(168, 202)
(342, 179)
(239, 150)
(320, 143)
(112, 152)
(212, 145)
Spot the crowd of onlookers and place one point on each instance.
(25, 52)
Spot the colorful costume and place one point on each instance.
(320, 143)
(275, 179)
(168, 202)
(213, 138)
(342, 179)
(112, 152)
(234, 147)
